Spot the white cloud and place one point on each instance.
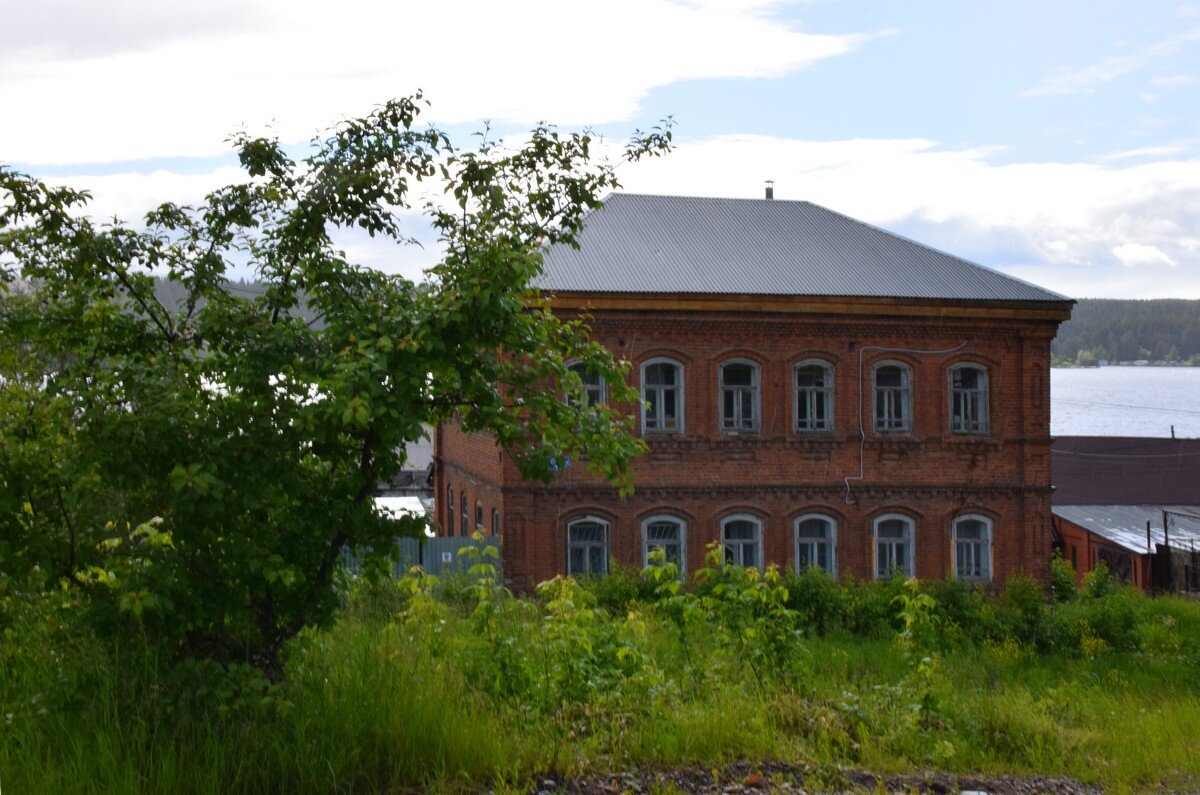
(1088, 78)
(1066, 226)
(1078, 228)
(1147, 151)
(1134, 254)
(523, 61)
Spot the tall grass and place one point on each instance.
(450, 686)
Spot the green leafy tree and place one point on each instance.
(192, 461)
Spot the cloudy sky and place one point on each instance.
(1056, 141)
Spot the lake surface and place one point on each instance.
(1125, 401)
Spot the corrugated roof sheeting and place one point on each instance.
(1098, 470)
(1125, 525)
(682, 244)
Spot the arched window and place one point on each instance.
(973, 548)
(814, 396)
(893, 397)
(742, 538)
(449, 510)
(662, 393)
(968, 399)
(464, 513)
(816, 542)
(495, 522)
(594, 390)
(893, 545)
(739, 396)
(587, 547)
(668, 533)
(479, 516)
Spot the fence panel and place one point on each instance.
(436, 555)
(441, 555)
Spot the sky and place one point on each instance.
(1055, 141)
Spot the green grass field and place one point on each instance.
(456, 685)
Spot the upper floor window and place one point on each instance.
(594, 390)
(742, 538)
(495, 522)
(668, 534)
(816, 542)
(587, 547)
(662, 392)
(893, 545)
(814, 396)
(739, 396)
(464, 513)
(968, 399)
(893, 397)
(479, 516)
(449, 510)
(973, 548)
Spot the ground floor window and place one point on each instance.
(973, 548)
(742, 538)
(668, 534)
(587, 547)
(893, 545)
(816, 542)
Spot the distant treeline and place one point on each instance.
(1162, 330)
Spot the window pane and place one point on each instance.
(739, 531)
(967, 378)
(576, 561)
(813, 528)
(892, 528)
(596, 560)
(889, 376)
(662, 531)
(737, 375)
(970, 529)
(811, 375)
(582, 532)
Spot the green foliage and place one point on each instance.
(1062, 578)
(407, 691)
(1165, 329)
(191, 460)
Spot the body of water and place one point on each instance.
(1125, 401)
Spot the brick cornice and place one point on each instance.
(1055, 311)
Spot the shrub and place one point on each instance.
(1062, 578)
(819, 602)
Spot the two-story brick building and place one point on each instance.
(816, 391)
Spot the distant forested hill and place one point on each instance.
(1165, 329)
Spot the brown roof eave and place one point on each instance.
(1056, 311)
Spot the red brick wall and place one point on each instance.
(703, 474)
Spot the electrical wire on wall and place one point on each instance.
(862, 431)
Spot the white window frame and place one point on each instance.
(664, 518)
(831, 540)
(588, 545)
(905, 393)
(910, 539)
(679, 395)
(757, 541)
(596, 394)
(985, 545)
(755, 389)
(811, 394)
(496, 522)
(982, 394)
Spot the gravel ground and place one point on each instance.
(781, 778)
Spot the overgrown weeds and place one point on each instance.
(450, 684)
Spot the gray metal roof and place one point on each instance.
(686, 244)
(1125, 525)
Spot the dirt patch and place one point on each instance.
(784, 778)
